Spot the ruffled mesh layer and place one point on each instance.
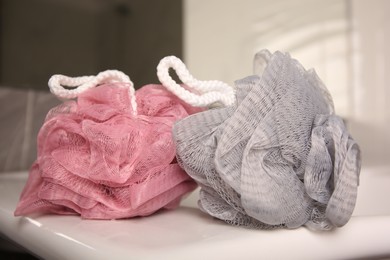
(98, 160)
(279, 157)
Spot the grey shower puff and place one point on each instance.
(279, 157)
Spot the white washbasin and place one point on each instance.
(187, 233)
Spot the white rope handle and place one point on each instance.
(82, 84)
(209, 91)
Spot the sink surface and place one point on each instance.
(187, 233)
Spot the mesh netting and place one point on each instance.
(98, 160)
(279, 157)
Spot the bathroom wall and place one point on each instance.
(346, 41)
(39, 38)
(221, 38)
(370, 58)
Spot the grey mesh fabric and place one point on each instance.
(279, 157)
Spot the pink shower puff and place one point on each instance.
(98, 159)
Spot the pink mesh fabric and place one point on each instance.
(98, 160)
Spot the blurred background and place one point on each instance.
(345, 41)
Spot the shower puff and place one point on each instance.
(104, 157)
(279, 157)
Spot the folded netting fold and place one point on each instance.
(109, 154)
(278, 157)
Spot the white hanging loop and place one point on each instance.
(82, 84)
(206, 92)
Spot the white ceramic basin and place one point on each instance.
(187, 233)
